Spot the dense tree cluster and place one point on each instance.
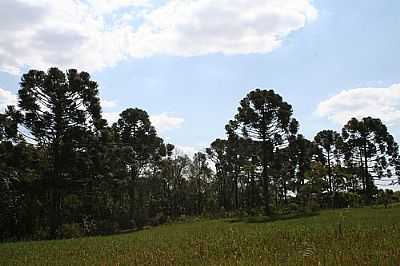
(65, 172)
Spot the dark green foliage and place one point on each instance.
(372, 150)
(330, 143)
(140, 149)
(264, 117)
(65, 173)
(61, 111)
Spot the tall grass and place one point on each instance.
(363, 236)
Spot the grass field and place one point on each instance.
(364, 236)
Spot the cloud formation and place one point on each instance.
(107, 103)
(94, 34)
(162, 122)
(6, 98)
(383, 103)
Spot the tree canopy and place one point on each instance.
(64, 172)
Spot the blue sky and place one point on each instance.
(318, 61)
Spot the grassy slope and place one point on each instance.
(366, 237)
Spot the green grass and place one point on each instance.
(364, 236)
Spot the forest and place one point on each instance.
(65, 172)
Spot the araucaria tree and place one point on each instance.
(64, 172)
(264, 117)
(373, 148)
(141, 148)
(330, 143)
(59, 110)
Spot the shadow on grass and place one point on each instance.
(270, 219)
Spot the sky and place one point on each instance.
(188, 63)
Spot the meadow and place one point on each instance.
(364, 236)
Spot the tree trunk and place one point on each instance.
(253, 190)
(132, 195)
(199, 197)
(236, 191)
(55, 194)
(329, 172)
(267, 198)
(368, 185)
(285, 191)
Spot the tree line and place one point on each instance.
(65, 172)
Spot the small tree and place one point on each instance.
(200, 174)
(316, 183)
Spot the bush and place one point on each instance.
(294, 207)
(73, 230)
(159, 219)
(106, 227)
(312, 206)
(141, 218)
(41, 234)
(184, 219)
(352, 199)
(89, 226)
(124, 221)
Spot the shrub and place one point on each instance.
(89, 226)
(124, 221)
(160, 218)
(294, 207)
(73, 230)
(353, 199)
(106, 227)
(41, 234)
(312, 206)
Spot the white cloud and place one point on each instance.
(109, 6)
(108, 103)
(94, 34)
(6, 98)
(162, 122)
(64, 33)
(165, 122)
(188, 28)
(111, 117)
(383, 103)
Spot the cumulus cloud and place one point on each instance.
(64, 33)
(111, 117)
(94, 34)
(109, 6)
(162, 122)
(107, 103)
(226, 26)
(383, 103)
(6, 98)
